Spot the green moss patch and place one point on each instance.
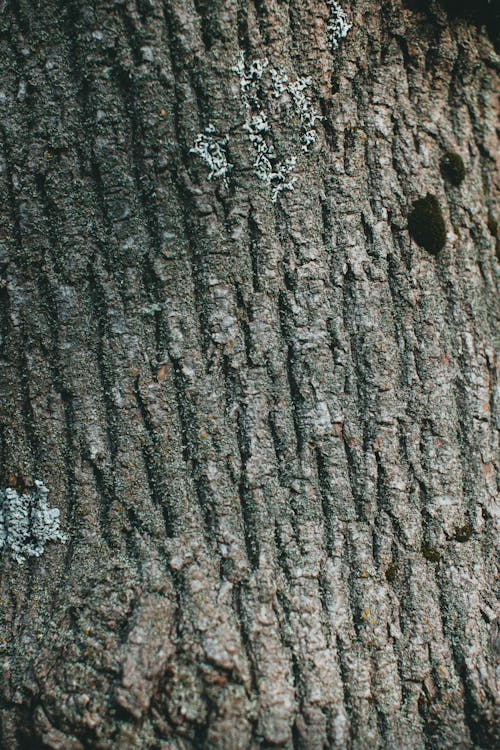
(430, 553)
(462, 533)
(391, 572)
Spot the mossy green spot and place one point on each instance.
(462, 533)
(430, 553)
(452, 168)
(391, 572)
(426, 224)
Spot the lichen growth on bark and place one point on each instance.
(27, 523)
(338, 25)
(212, 150)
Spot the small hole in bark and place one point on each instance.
(426, 224)
(452, 168)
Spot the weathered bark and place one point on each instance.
(271, 428)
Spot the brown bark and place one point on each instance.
(271, 427)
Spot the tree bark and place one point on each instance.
(270, 426)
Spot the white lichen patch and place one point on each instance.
(338, 26)
(249, 74)
(261, 85)
(213, 152)
(277, 174)
(27, 523)
(258, 80)
(308, 116)
(279, 82)
(282, 178)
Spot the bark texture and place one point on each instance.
(271, 428)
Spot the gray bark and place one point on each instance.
(271, 428)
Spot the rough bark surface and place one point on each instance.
(271, 428)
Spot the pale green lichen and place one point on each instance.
(27, 523)
(152, 309)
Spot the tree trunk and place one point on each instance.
(267, 413)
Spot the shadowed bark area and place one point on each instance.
(271, 427)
